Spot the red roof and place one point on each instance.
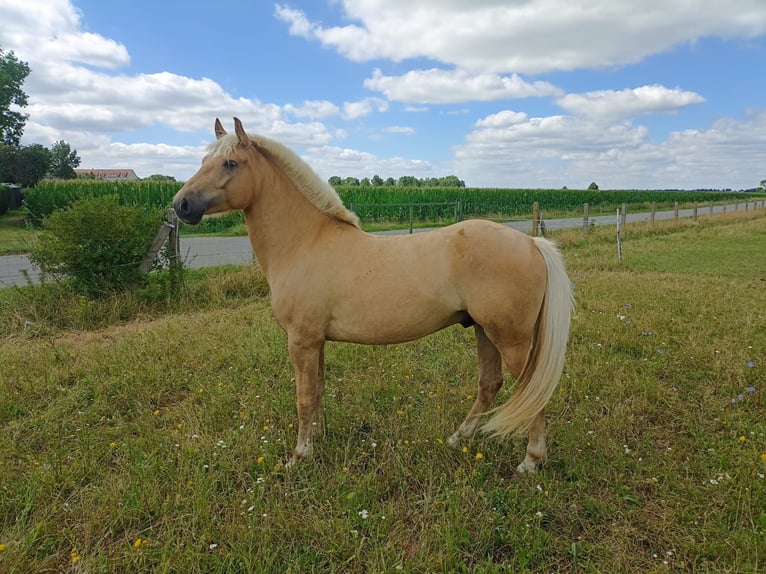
(109, 173)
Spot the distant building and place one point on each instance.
(108, 174)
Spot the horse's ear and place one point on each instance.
(243, 138)
(219, 131)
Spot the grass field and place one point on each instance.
(156, 444)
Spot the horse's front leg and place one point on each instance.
(307, 358)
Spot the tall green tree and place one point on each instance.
(13, 72)
(64, 160)
(24, 165)
(34, 162)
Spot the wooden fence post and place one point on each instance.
(624, 214)
(535, 218)
(653, 213)
(585, 217)
(712, 203)
(694, 212)
(174, 239)
(619, 237)
(154, 249)
(675, 211)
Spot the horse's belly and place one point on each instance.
(373, 324)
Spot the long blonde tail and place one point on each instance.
(545, 362)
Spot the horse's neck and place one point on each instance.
(281, 222)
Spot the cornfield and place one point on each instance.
(382, 204)
(48, 196)
(441, 203)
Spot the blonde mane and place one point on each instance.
(320, 193)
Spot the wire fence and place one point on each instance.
(203, 251)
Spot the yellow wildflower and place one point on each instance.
(465, 449)
(112, 444)
(479, 456)
(157, 411)
(74, 555)
(261, 459)
(743, 438)
(763, 457)
(3, 547)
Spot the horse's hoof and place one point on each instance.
(292, 464)
(527, 467)
(454, 441)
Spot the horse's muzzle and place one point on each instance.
(188, 208)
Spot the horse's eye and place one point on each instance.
(230, 164)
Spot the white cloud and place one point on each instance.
(437, 86)
(354, 110)
(399, 130)
(560, 150)
(502, 119)
(531, 37)
(628, 102)
(313, 109)
(329, 160)
(57, 34)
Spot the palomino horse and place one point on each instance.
(330, 281)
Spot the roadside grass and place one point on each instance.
(15, 233)
(156, 444)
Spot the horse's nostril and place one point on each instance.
(184, 205)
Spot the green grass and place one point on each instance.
(15, 234)
(171, 427)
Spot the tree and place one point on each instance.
(452, 181)
(63, 161)
(593, 186)
(160, 177)
(12, 74)
(377, 180)
(23, 165)
(408, 181)
(34, 162)
(335, 181)
(763, 184)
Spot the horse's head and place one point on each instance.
(224, 182)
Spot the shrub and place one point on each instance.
(97, 243)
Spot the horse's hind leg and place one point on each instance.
(536, 447)
(490, 381)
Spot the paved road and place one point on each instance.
(211, 251)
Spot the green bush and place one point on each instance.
(97, 243)
(5, 198)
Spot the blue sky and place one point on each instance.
(534, 93)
